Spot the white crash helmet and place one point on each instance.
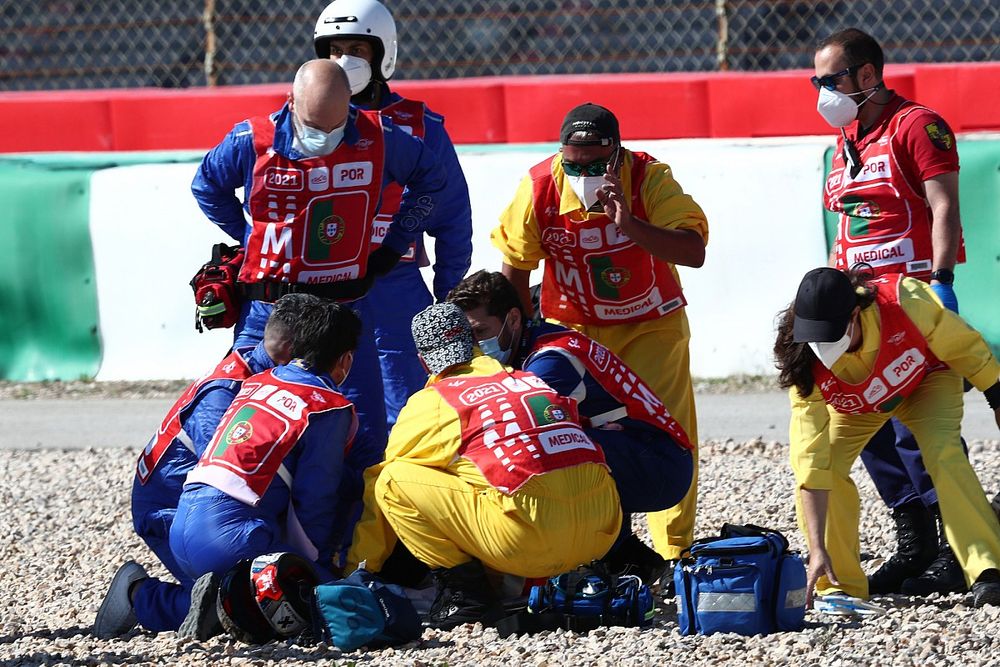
(359, 18)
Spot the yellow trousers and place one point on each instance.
(552, 524)
(657, 350)
(933, 412)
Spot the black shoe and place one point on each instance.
(943, 575)
(464, 596)
(986, 589)
(916, 547)
(635, 557)
(202, 621)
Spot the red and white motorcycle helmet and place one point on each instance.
(267, 598)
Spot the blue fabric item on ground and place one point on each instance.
(362, 610)
(746, 582)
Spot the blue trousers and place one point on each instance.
(893, 461)
(363, 386)
(398, 297)
(160, 605)
(651, 472)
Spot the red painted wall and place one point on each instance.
(497, 109)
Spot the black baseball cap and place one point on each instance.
(823, 306)
(592, 119)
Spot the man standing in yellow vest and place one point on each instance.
(611, 225)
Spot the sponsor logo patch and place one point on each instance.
(364, 144)
(591, 239)
(875, 391)
(319, 179)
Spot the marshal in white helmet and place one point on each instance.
(373, 31)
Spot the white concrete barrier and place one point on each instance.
(762, 199)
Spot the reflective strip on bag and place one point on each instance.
(795, 598)
(727, 602)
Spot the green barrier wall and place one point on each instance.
(48, 297)
(977, 282)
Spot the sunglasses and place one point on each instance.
(595, 168)
(830, 80)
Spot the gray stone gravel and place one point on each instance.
(66, 527)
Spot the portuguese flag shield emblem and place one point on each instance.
(240, 429)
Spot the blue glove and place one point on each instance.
(947, 295)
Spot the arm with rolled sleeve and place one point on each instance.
(223, 170)
(450, 224)
(413, 165)
(676, 230)
(318, 470)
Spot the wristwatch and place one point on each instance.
(944, 276)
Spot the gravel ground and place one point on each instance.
(67, 527)
(736, 384)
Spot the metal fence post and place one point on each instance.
(208, 20)
(722, 45)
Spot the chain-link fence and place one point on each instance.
(60, 44)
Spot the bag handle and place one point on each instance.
(751, 530)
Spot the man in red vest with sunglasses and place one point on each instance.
(611, 225)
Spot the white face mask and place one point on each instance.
(829, 353)
(839, 109)
(312, 142)
(586, 188)
(359, 72)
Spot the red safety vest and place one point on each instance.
(595, 274)
(885, 220)
(903, 360)
(408, 116)
(233, 367)
(617, 379)
(514, 426)
(260, 428)
(312, 219)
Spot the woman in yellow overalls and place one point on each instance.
(854, 353)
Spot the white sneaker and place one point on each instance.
(116, 616)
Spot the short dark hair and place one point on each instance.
(859, 48)
(325, 330)
(284, 317)
(489, 289)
